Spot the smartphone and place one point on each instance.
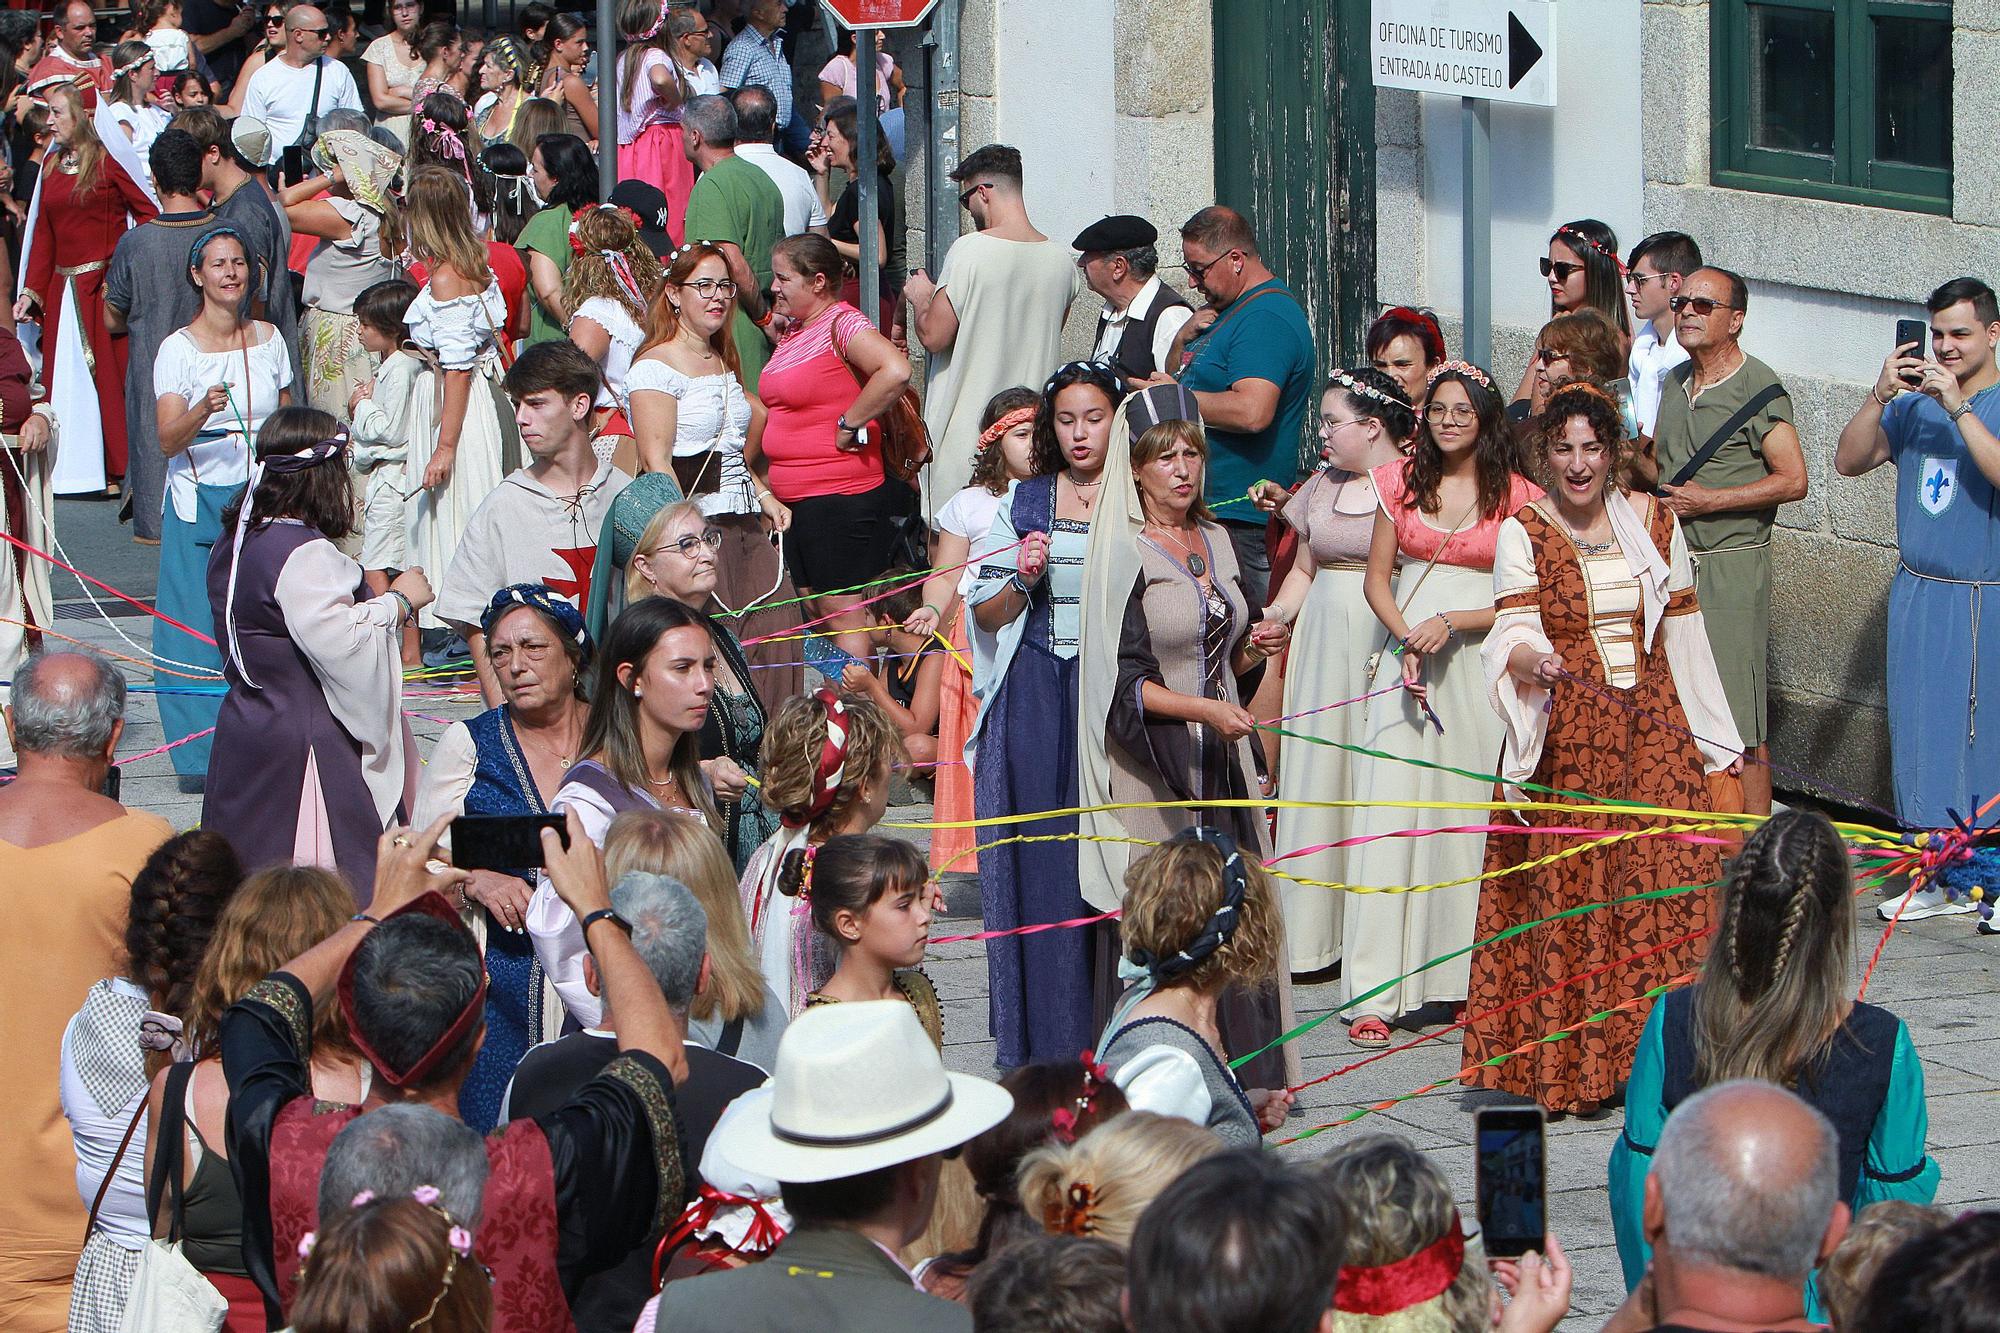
(1912, 331)
(113, 780)
(1512, 1162)
(829, 659)
(502, 842)
(292, 164)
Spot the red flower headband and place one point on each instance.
(1569, 233)
(832, 760)
(1387, 1288)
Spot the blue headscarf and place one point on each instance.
(554, 609)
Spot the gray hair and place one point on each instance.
(395, 1149)
(713, 117)
(669, 930)
(59, 715)
(1766, 1218)
(1143, 260)
(344, 118)
(756, 113)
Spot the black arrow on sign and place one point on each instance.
(1522, 51)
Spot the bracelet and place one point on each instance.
(1020, 585)
(1876, 394)
(840, 424)
(409, 607)
(937, 611)
(770, 313)
(606, 914)
(1450, 630)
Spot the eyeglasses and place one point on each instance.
(1458, 414)
(1548, 356)
(1701, 305)
(1327, 425)
(690, 545)
(1199, 272)
(1637, 281)
(710, 288)
(532, 651)
(965, 199)
(1561, 268)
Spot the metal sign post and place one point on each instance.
(868, 182)
(1482, 52)
(607, 98)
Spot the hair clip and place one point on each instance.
(1071, 1215)
(806, 875)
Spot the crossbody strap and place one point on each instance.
(1760, 400)
(103, 1186)
(169, 1146)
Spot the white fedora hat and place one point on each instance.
(859, 1087)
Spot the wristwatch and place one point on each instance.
(606, 914)
(1961, 409)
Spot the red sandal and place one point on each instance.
(1370, 1031)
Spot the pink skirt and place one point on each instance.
(658, 158)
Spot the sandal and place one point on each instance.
(1369, 1031)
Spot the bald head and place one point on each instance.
(1748, 1177)
(66, 705)
(306, 35)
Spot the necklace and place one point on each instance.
(1582, 546)
(1195, 564)
(562, 758)
(1083, 498)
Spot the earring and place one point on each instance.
(676, 306)
(638, 693)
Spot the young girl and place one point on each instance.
(1006, 455)
(131, 103)
(191, 89)
(869, 896)
(605, 292)
(651, 90)
(568, 43)
(379, 437)
(826, 763)
(1439, 518)
(456, 427)
(442, 136)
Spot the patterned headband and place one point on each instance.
(1385, 1289)
(122, 70)
(1020, 416)
(1587, 388)
(832, 767)
(1572, 234)
(1374, 395)
(201, 243)
(658, 23)
(538, 597)
(1221, 923)
(1465, 368)
(312, 456)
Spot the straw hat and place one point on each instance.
(859, 1087)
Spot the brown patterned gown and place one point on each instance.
(1613, 752)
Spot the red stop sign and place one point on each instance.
(881, 13)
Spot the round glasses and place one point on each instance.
(710, 288)
(690, 546)
(1458, 414)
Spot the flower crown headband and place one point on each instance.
(1570, 233)
(1465, 368)
(457, 1238)
(1360, 390)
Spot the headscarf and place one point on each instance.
(554, 609)
(368, 168)
(626, 523)
(1111, 567)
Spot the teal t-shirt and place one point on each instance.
(547, 233)
(1263, 335)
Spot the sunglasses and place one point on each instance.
(1548, 356)
(274, 20)
(965, 199)
(1701, 305)
(1637, 281)
(320, 33)
(1199, 272)
(1561, 268)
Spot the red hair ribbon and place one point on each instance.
(764, 1230)
(1429, 334)
(1018, 417)
(832, 760)
(1387, 1288)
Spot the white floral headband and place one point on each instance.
(1368, 391)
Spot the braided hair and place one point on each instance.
(177, 897)
(1774, 989)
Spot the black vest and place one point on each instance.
(1134, 355)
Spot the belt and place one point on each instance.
(78, 270)
(1939, 578)
(1978, 601)
(1347, 564)
(1697, 552)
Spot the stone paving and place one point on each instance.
(1938, 975)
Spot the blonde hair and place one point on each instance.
(1156, 440)
(789, 759)
(1099, 1185)
(438, 215)
(89, 149)
(1397, 1202)
(1170, 894)
(661, 842)
(1878, 1231)
(278, 914)
(602, 231)
(636, 583)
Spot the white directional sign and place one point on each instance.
(1495, 50)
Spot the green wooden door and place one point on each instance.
(1295, 153)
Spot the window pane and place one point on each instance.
(1913, 92)
(1791, 79)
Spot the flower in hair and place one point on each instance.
(365, 1197)
(1572, 234)
(427, 1195)
(460, 1240)
(1465, 368)
(1062, 1124)
(306, 1243)
(1360, 390)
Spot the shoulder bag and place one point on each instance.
(169, 1294)
(906, 442)
(1760, 400)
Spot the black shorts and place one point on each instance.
(836, 541)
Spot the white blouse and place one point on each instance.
(255, 376)
(711, 412)
(626, 335)
(462, 331)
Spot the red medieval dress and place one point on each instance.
(83, 364)
(25, 511)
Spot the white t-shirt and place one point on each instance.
(281, 96)
(220, 455)
(969, 514)
(802, 207)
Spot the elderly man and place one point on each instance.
(67, 857)
(291, 93)
(1742, 1204)
(74, 55)
(1142, 315)
(671, 934)
(396, 1150)
(1251, 369)
(739, 210)
(994, 317)
(756, 117)
(855, 1125)
(1726, 456)
(570, 1193)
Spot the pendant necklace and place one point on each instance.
(1195, 564)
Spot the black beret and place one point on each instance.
(1121, 231)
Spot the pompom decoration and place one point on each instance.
(366, 1196)
(306, 1243)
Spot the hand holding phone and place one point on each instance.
(1511, 1160)
(502, 842)
(1911, 337)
